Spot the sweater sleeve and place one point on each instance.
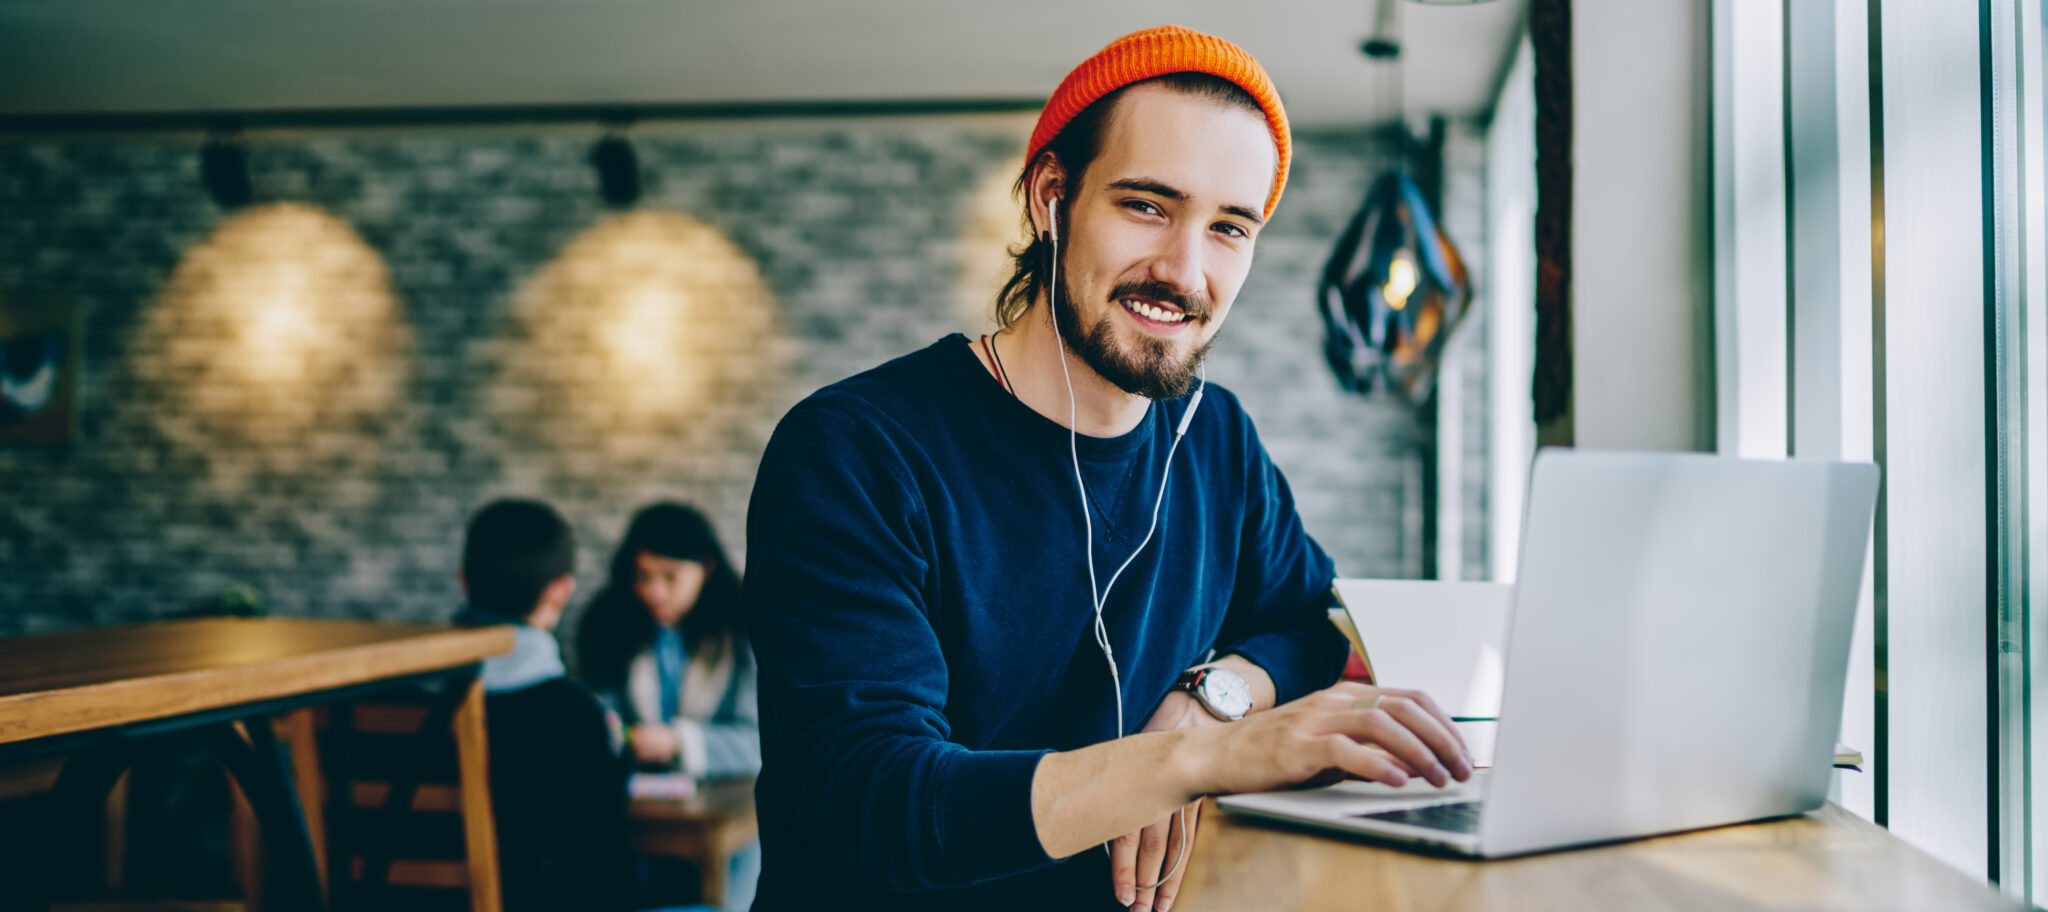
(860, 780)
(1278, 616)
(730, 742)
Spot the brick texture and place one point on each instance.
(309, 396)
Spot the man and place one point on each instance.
(982, 572)
(558, 788)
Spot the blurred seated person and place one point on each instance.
(558, 785)
(664, 646)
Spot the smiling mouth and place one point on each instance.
(1154, 312)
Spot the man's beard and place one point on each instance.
(1150, 370)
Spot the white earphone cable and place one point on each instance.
(1101, 596)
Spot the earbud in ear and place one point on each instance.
(1052, 217)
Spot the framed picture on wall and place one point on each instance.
(39, 354)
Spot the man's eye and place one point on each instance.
(1232, 230)
(1141, 206)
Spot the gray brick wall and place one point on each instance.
(456, 305)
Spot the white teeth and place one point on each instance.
(1153, 313)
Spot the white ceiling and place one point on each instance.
(99, 56)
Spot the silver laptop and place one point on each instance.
(1676, 659)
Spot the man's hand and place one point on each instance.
(1139, 858)
(1348, 731)
(1081, 797)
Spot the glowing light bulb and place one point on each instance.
(1400, 282)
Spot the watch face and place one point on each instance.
(1227, 692)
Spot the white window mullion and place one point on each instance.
(1750, 237)
(1931, 432)
(1829, 93)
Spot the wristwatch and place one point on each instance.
(1220, 691)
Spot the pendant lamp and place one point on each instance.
(1395, 286)
(1392, 292)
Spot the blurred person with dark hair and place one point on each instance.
(664, 646)
(558, 786)
(1007, 638)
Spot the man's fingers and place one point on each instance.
(1123, 867)
(1363, 761)
(1428, 704)
(1180, 845)
(1151, 855)
(1440, 736)
(1398, 763)
(1380, 728)
(1413, 710)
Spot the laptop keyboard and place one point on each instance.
(1462, 817)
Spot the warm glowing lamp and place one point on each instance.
(1392, 292)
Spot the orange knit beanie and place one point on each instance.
(1156, 52)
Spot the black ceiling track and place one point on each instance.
(494, 115)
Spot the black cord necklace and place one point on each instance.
(988, 343)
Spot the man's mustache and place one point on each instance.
(1196, 306)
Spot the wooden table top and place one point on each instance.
(716, 801)
(1830, 859)
(59, 683)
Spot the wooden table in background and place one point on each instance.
(100, 679)
(707, 827)
(91, 694)
(1830, 859)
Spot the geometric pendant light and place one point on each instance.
(1392, 292)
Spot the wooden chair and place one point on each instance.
(418, 820)
(297, 731)
(440, 852)
(381, 748)
(26, 781)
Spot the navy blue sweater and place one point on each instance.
(920, 610)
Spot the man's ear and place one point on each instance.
(554, 601)
(1043, 190)
(561, 590)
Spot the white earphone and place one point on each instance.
(1101, 594)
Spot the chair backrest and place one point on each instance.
(419, 825)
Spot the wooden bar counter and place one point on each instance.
(1827, 860)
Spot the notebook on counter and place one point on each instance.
(1446, 639)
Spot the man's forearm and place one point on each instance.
(1086, 797)
(1089, 796)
